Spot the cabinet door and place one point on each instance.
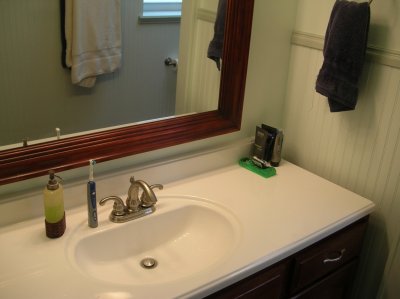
(334, 286)
(268, 283)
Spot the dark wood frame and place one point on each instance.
(35, 160)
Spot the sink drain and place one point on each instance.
(148, 263)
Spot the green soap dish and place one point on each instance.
(264, 172)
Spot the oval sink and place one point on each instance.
(184, 236)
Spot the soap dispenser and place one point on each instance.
(53, 197)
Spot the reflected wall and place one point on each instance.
(36, 92)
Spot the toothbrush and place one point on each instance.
(91, 197)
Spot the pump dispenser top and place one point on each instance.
(53, 183)
(53, 198)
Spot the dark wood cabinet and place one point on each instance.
(267, 283)
(335, 286)
(323, 270)
(326, 256)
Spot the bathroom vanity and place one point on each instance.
(325, 269)
(223, 232)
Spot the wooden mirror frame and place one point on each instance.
(35, 160)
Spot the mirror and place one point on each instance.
(35, 160)
(37, 93)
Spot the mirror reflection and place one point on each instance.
(38, 95)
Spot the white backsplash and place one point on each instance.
(29, 205)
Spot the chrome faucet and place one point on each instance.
(136, 206)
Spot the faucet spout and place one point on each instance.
(137, 204)
(147, 199)
(133, 201)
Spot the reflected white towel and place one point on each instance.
(93, 35)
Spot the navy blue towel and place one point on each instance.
(217, 43)
(63, 40)
(344, 54)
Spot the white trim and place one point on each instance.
(374, 53)
(158, 19)
(206, 15)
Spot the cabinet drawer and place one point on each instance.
(334, 286)
(268, 283)
(327, 255)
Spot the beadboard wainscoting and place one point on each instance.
(359, 150)
(198, 77)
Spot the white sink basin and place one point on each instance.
(185, 235)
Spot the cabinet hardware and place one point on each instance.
(333, 260)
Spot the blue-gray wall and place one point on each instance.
(36, 94)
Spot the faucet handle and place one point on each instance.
(119, 208)
(148, 198)
(158, 186)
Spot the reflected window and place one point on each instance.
(162, 8)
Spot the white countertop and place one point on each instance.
(278, 216)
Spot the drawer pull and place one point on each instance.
(333, 260)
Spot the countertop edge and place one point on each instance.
(278, 256)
